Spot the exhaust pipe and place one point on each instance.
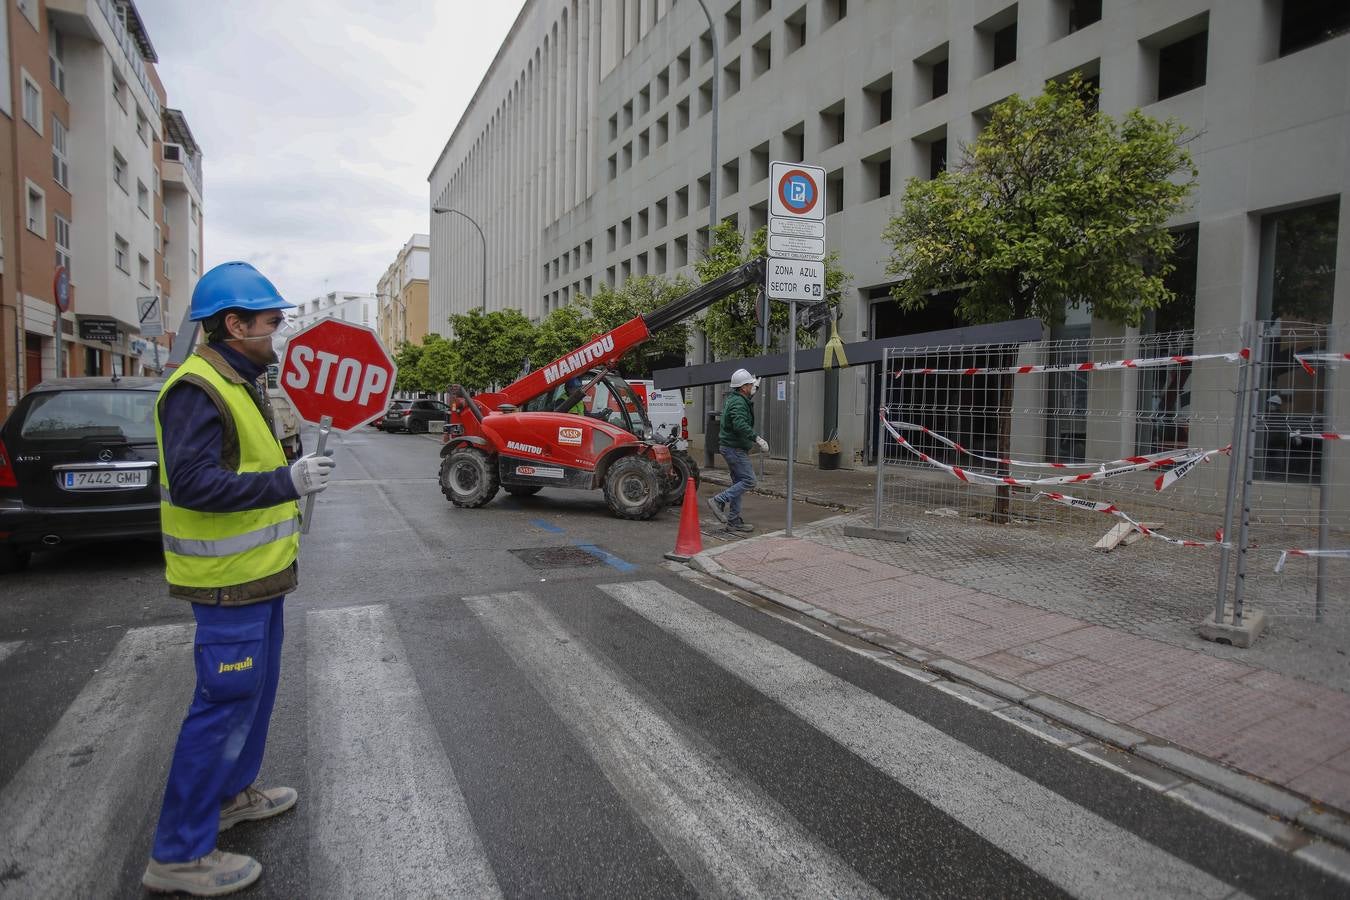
(51, 540)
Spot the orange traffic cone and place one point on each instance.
(689, 542)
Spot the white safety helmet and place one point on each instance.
(740, 378)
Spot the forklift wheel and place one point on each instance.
(683, 468)
(633, 488)
(468, 477)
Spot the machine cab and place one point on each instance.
(607, 399)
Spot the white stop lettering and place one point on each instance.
(348, 380)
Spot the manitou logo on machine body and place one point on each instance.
(525, 448)
(580, 359)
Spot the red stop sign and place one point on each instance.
(336, 369)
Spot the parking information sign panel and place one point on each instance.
(795, 279)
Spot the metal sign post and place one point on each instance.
(325, 426)
(792, 407)
(61, 291)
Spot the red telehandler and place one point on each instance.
(575, 424)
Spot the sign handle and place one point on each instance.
(325, 426)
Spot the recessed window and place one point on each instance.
(613, 126)
(142, 198)
(626, 232)
(119, 91)
(761, 56)
(937, 157)
(644, 100)
(833, 11)
(762, 8)
(56, 56)
(37, 209)
(731, 178)
(877, 176)
(877, 103)
(794, 143)
(142, 127)
(759, 163)
(759, 216)
(996, 39)
(1304, 23)
(661, 213)
(1182, 64)
(731, 78)
(834, 192)
(32, 101)
(682, 67)
(681, 203)
(705, 47)
(143, 270)
(643, 219)
(1075, 15)
(794, 31)
(680, 247)
(663, 84)
(832, 124)
(627, 114)
(704, 194)
(60, 157)
(660, 132)
(192, 258)
(705, 98)
(644, 144)
(120, 249)
(119, 170)
(732, 27)
(611, 241)
(930, 74)
(682, 115)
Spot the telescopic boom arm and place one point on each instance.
(606, 349)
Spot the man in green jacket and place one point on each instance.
(736, 436)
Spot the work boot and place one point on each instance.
(740, 526)
(214, 874)
(718, 508)
(251, 804)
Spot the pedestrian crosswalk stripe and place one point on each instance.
(388, 816)
(1067, 844)
(64, 816)
(7, 648)
(726, 836)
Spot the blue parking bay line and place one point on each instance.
(547, 526)
(608, 558)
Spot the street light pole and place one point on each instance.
(712, 188)
(446, 209)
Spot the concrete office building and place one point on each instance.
(584, 154)
(402, 295)
(358, 309)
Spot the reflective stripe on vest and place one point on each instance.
(231, 545)
(212, 550)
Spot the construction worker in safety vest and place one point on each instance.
(231, 534)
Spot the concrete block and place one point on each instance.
(1130, 766)
(1236, 815)
(1230, 781)
(1239, 634)
(895, 535)
(1038, 725)
(1326, 824)
(1086, 722)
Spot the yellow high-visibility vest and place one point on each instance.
(228, 557)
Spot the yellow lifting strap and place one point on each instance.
(834, 347)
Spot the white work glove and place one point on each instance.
(763, 445)
(310, 473)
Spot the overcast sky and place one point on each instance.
(319, 121)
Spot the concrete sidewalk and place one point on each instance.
(1187, 717)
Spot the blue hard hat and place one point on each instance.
(234, 285)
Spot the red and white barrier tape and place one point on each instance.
(1111, 509)
(1166, 457)
(1182, 464)
(1305, 358)
(1334, 554)
(1321, 436)
(1088, 366)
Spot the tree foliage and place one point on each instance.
(407, 359)
(730, 323)
(439, 366)
(1055, 205)
(611, 308)
(562, 331)
(492, 347)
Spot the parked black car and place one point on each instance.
(78, 463)
(393, 405)
(414, 416)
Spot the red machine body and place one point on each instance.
(538, 432)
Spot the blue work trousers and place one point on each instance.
(742, 480)
(237, 651)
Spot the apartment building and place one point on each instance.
(584, 154)
(402, 293)
(358, 309)
(89, 133)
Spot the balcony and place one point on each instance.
(179, 165)
(111, 29)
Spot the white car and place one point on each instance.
(666, 411)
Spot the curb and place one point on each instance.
(1262, 810)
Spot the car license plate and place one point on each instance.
(104, 479)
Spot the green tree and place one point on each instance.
(1056, 204)
(491, 347)
(439, 365)
(611, 308)
(407, 359)
(562, 331)
(730, 323)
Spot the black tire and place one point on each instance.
(469, 477)
(683, 468)
(634, 489)
(12, 560)
(522, 490)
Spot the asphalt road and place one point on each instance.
(524, 700)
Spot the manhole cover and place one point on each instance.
(556, 557)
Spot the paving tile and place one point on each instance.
(1327, 785)
(1004, 663)
(1041, 653)
(1119, 703)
